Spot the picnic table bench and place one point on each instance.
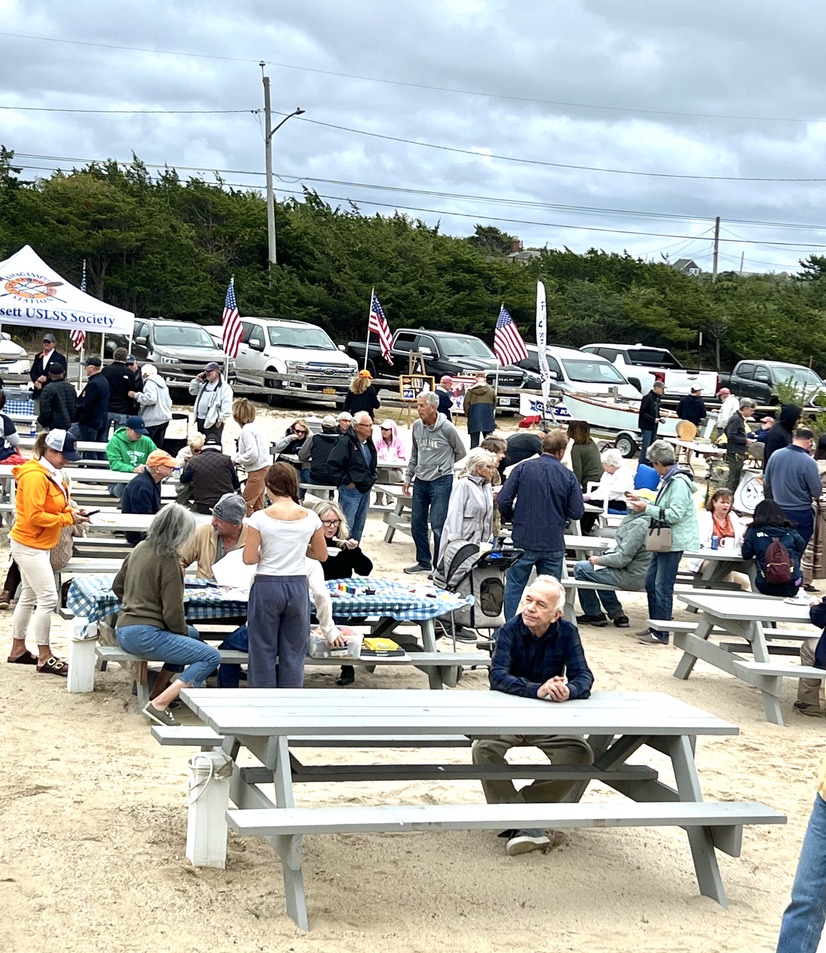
(272, 725)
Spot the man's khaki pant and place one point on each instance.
(558, 749)
(808, 689)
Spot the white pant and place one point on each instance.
(38, 594)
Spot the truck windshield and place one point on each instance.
(313, 338)
(465, 347)
(799, 376)
(593, 372)
(182, 335)
(653, 357)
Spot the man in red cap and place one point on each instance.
(730, 405)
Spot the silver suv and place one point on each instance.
(179, 349)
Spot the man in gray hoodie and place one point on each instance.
(625, 565)
(437, 446)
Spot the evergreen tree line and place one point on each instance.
(157, 245)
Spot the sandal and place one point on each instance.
(27, 658)
(53, 666)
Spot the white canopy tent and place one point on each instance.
(33, 294)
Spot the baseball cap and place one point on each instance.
(723, 392)
(49, 337)
(212, 439)
(365, 373)
(56, 367)
(345, 415)
(93, 360)
(131, 359)
(659, 384)
(328, 420)
(212, 366)
(386, 425)
(696, 390)
(160, 458)
(63, 442)
(231, 508)
(136, 424)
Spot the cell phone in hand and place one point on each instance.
(91, 512)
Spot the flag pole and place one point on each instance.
(367, 343)
(498, 363)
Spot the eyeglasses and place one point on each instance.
(386, 429)
(331, 522)
(300, 433)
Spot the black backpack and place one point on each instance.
(779, 568)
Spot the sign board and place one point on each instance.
(531, 405)
(411, 385)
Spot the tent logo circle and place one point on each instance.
(28, 286)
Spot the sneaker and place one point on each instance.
(526, 840)
(5, 599)
(418, 568)
(813, 711)
(466, 635)
(648, 638)
(598, 620)
(160, 717)
(621, 620)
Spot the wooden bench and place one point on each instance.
(450, 664)
(139, 668)
(319, 490)
(400, 518)
(204, 737)
(771, 674)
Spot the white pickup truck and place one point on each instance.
(643, 365)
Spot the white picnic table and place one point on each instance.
(272, 724)
(107, 522)
(751, 620)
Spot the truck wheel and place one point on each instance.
(626, 445)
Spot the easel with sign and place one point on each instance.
(415, 381)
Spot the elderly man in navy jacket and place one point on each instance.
(538, 655)
(352, 466)
(539, 496)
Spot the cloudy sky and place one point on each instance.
(616, 124)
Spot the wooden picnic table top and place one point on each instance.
(113, 521)
(745, 607)
(296, 712)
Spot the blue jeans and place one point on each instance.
(659, 584)
(355, 504)
(648, 437)
(547, 562)
(93, 434)
(430, 499)
(804, 917)
(174, 650)
(116, 420)
(804, 521)
(590, 599)
(229, 674)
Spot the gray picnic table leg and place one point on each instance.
(700, 839)
(288, 845)
(435, 673)
(686, 664)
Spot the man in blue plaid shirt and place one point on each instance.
(539, 655)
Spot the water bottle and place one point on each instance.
(33, 427)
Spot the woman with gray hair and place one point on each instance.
(615, 482)
(151, 623)
(470, 509)
(154, 404)
(675, 509)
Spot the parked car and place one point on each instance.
(573, 371)
(643, 365)
(14, 359)
(178, 348)
(291, 358)
(759, 380)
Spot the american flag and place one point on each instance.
(231, 337)
(508, 345)
(76, 335)
(378, 323)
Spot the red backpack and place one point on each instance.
(779, 566)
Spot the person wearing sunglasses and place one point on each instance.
(344, 559)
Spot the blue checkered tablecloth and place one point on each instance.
(25, 408)
(91, 597)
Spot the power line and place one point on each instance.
(601, 107)
(130, 112)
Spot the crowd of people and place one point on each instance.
(536, 482)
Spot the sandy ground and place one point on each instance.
(94, 816)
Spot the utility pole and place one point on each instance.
(270, 132)
(716, 248)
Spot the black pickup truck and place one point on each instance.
(443, 352)
(759, 380)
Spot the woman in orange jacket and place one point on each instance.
(43, 508)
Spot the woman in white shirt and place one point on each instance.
(278, 539)
(615, 482)
(719, 519)
(253, 454)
